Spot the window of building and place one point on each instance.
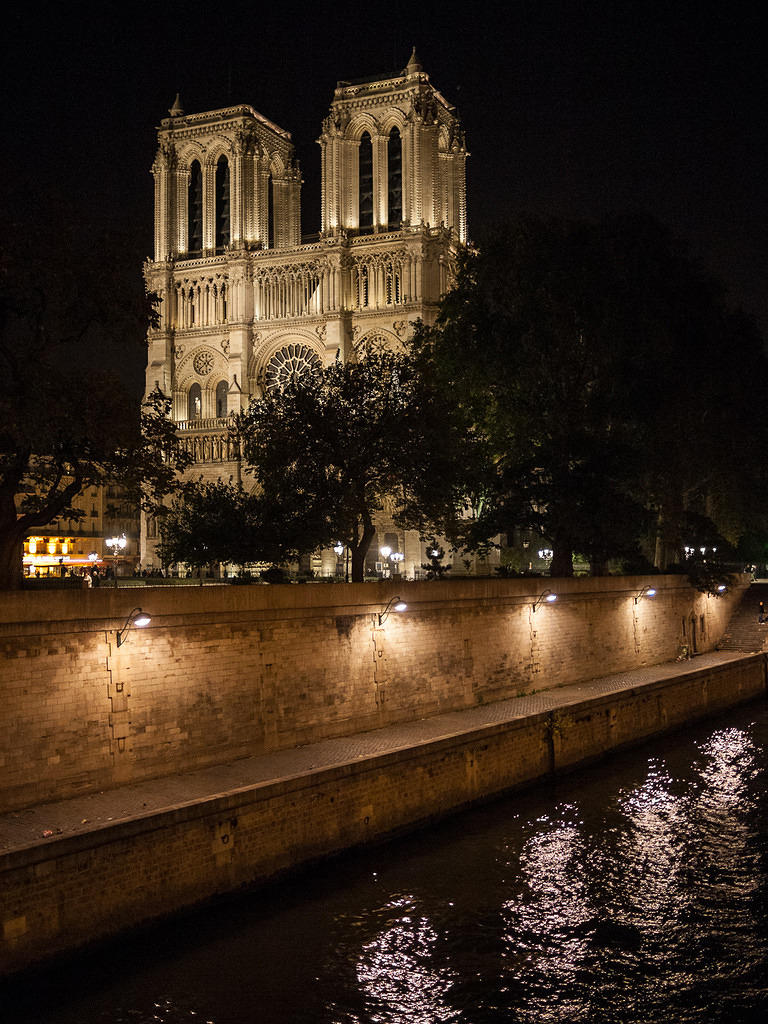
(222, 203)
(222, 389)
(290, 364)
(270, 212)
(195, 209)
(366, 181)
(395, 179)
(194, 412)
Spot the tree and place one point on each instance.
(330, 450)
(222, 522)
(68, 418)
(524, 342)
(698, 384)
(595, 360)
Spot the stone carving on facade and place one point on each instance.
(178, 352)
(376, 341)
(203, 363)
(321, 331)
(224, 343)
(400, 327)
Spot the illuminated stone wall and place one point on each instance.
(58, 895)
(224, 672)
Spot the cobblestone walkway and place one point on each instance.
(45, 822)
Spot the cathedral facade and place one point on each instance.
(246, 301)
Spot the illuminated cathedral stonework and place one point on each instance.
(247, 302)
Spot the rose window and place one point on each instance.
(291, 363)
(374, 343)
(203, 363)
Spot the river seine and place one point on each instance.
(635, 890)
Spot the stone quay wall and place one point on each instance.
(61, 894)
(224, 672)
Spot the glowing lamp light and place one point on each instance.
(545, 597)
(339, 549)
(645, 592)
(386, 551)
(395, 604)
(136, 618)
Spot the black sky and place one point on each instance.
(571, 108)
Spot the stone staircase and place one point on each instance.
(744, 632)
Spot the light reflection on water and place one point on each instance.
(635, 891)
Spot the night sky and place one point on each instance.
(571, 108)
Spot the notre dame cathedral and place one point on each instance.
(246, 300)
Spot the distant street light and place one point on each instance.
(339, 548)
(116, 545)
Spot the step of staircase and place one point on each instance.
(744, 631)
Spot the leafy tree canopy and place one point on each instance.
(606, 374)
(222, 522)
(71, 336)
(332, 449)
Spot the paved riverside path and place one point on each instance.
(44, 823)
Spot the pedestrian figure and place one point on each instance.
(761, 613)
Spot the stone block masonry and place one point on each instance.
(61, 893)
(227, 672)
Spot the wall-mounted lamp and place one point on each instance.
(545, 597)
(721, 588)
(394, 604)
(136, 618)
(645, 592)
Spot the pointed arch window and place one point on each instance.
(195, 209)
(270, 212)
(222, 203)
(365, 166)
(395, 179)
(195, 403)
(222, 390)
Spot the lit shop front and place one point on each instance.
(57, 556)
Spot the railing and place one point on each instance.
(214, 423)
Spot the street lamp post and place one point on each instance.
(116, 545)
(340, 549)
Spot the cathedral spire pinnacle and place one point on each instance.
(414, 64)
(176, 110)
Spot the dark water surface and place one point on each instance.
(635, 890)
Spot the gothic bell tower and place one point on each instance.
(393, 156)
